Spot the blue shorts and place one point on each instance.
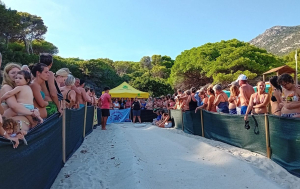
(136, 112)
(232, 111)
(244, 110)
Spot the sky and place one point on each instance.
(130, 29)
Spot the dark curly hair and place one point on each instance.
(287, 78)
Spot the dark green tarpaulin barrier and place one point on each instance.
(176, 115)
(89, 120)
(192, 122)
(74, 130)
(230, 129)
(35, 165)
(285, 142)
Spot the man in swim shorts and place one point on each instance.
(246, 91)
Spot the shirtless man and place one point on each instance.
(291, 96)
(82, 97)
(246, 91)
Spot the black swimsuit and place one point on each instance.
(67, 100)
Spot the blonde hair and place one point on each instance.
(6, 78)
(234, 90)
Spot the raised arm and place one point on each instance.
(76, 90)
(84, 95)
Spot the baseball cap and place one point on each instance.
(62, 73)
(241, 77)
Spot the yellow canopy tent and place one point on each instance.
(126, 91)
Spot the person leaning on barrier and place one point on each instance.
(258, 101)
(291, 96)
(210, 104)
(275, 93)
(204, 103)
(67, 92)
(191, 100)
(50, 87)
(221, 100)
(233, 99)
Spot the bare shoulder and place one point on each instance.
(6, 88)
(35, 86)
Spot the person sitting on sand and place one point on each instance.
(158, 118)
(166, 121)
(22, 92)
(258, 101)
(291, 96)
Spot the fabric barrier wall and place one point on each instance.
(230, 129)
(35, 165)
(192, 122)
(176, 115)
(74, 130)
(285, 142)
(89, 120)
(148, 115)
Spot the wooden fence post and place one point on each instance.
(64, 136)
(202, 125)
(84, 124)
(267, 136)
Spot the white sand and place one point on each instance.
(144, 156)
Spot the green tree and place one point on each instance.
(145, 62)
(290, 61)
(155, 86)
(33, 28)
(160, 71)
(9, 24)
(42, 46)
(220, 62)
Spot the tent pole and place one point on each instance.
(64, 136)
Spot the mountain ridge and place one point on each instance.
(279, 40)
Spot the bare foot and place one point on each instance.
(103, 128)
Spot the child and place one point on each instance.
(23, 93)
(158, 117)
(12, 129)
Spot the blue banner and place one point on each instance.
(117, 116)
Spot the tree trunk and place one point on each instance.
(26, 45)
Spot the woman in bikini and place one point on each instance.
(291, 96)
(258, 101)
(41, 74)
(9, 75)
(275, 92)
(210, 104)
(68, 93)
(233, 99)
(221, 100)
(149, 104)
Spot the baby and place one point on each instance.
(13, 130)
(23, 93)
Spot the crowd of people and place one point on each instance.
(30, 94)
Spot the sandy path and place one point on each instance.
(143, 156)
